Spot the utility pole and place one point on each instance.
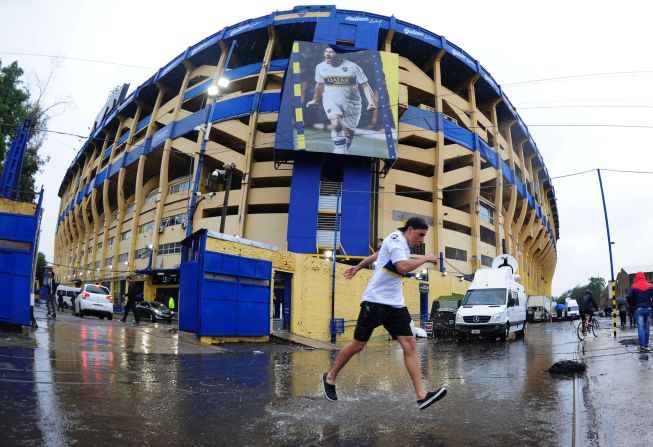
(612, 283)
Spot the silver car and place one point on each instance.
(94, 299)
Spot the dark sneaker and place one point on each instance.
(431, 397)
(328, 389)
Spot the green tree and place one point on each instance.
(40, 265)
(16, 105)
(595, 285)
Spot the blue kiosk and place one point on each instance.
(19, 229)
(221, 294)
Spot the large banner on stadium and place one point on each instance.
(339, 102)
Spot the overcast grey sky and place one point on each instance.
(515, 41)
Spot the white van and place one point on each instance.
(572, 309)
(68, 293)
(495, 303)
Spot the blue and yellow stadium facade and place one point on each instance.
(465, 160)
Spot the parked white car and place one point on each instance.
(94, 299)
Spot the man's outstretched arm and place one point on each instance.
(351, 271)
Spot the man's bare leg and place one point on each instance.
(409, 345)
(352, 348)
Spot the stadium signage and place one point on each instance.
(357, 19)
(460, 55)
(242, 28)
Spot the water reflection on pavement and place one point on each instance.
(92, 382)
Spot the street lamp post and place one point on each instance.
(213, 92)
(612, 283)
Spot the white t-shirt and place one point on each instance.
(341, 82)
(385, 287)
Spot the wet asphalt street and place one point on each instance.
(91, 382)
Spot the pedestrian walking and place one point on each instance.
(31, 311)
(60, 302)
(51, 285)
(622, 307)
(631, 310)
(131, 296)
(171, 303)
(642, 294)
(383, 305)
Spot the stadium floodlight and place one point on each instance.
(223, 82)
(213, 90)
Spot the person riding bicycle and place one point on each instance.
(586, 307)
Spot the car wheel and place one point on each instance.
(101, 317)
(109, 317)
(522, 332)
(506, 332)
(153, 318)
(81, 313)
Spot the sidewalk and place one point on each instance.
(618, 389)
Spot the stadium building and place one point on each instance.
(399, 122)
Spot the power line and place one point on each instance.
(78, 59)
(580, 76)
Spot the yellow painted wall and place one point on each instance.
(14, 207)
(311, 289)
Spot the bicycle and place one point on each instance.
(591, 325)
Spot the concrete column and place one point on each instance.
(165, 161)
(499, 223)
(122, 207)
(510, 213)
(251, 138)
(474, 193)
(438, 161)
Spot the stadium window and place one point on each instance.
(125, 235)
(145, 227)
(169, 249)
(486, 213)
(130, 208)
(455, 254)
(488, 236)
(179, 187)
(486, 261)
(152, 197)
(110, 241)
(123, 257)
(108, 262)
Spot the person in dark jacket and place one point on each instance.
(587, 305)
(622, 307)
(132, 297)
(641, 293)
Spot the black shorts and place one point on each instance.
(395, 320)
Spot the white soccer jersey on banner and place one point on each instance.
(341, 94)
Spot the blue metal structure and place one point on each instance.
(18, 247)
(13, 166)
(222, 294)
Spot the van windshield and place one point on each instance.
(485, 297)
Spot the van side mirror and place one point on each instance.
(511, 302)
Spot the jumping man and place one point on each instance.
(383, 304)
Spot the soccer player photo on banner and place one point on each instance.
(340, 102)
